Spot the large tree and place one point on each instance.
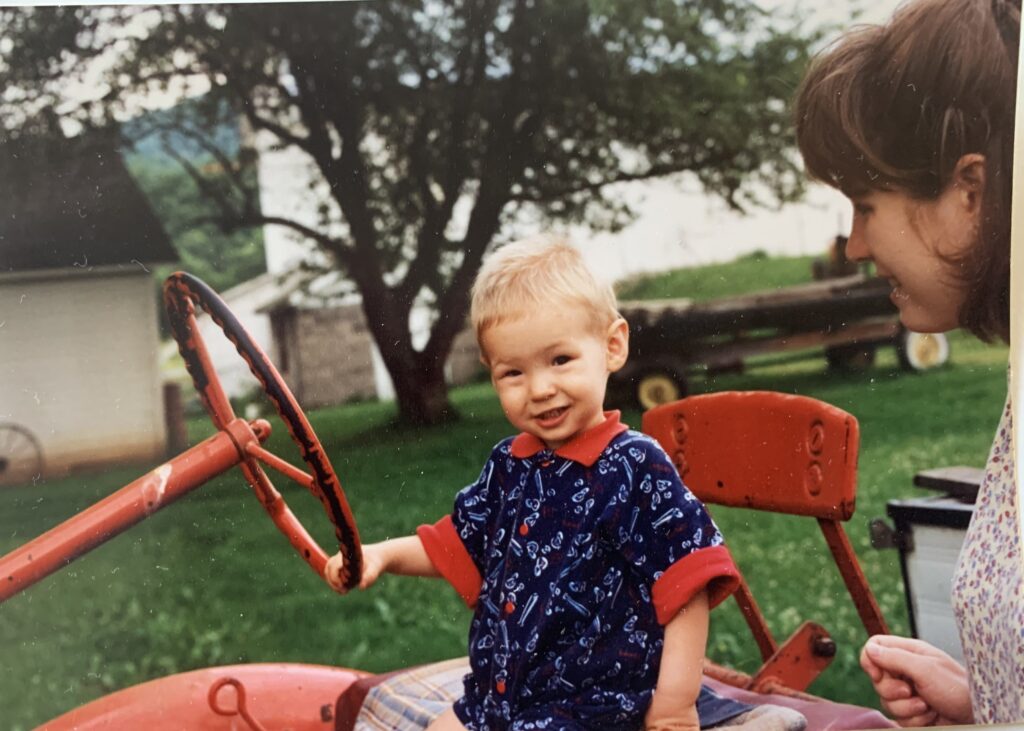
(414, 110)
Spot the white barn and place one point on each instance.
(79, 380)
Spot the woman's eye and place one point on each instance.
(561, 359)
(862, 209)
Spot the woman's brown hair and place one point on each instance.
(894, 107)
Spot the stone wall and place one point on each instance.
(325, 355)
(464, 360)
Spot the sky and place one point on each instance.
(835, 12)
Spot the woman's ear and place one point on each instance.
(617, 345)
(969, 180)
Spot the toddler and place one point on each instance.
(589, 565)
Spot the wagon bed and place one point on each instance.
(848, 318)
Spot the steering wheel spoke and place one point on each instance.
(261, 485)
(285, 468)
(182, 292)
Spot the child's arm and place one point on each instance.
(405, 556)
(674, 706)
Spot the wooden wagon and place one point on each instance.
(847, 319)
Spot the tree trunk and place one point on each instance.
(422, 395)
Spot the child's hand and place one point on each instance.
(659, 718)
(332, 572)
(374, 562)
(674, 704)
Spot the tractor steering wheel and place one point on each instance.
(181, 292)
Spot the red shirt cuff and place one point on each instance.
(449, 555)
(708, 568)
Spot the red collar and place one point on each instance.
(585, 448)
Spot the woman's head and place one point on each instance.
(919, 108)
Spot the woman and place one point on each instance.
(913, 121)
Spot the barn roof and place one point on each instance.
(72, 203)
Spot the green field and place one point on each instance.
(210, 581)
(754, 271)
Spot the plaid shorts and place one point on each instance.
(410, 701)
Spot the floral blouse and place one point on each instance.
(988, 590)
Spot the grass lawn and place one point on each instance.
(754, 271)
(210, 581)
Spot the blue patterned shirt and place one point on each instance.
(574, 561)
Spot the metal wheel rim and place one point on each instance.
(656, 389)
(926, 350)
(21, 457)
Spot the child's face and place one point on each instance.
(550, 370)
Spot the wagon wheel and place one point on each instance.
(922, 351)
(181, 292)
(657, 386)
(21, 456)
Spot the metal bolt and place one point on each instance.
(823, 646)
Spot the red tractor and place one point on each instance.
(807, 467)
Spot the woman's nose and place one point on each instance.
(856, 246)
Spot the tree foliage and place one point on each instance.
(220, 259)
(433, 125)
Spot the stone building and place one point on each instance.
(327, 355)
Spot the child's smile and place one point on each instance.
(552, 417)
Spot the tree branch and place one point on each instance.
(251, 220)
(471, 61)
(347, 176)
(278, 130)
(232, 170)
(206, 187)
(554, 194)
(505, 150)
(397, 24)
(551, 194)
(318, 139)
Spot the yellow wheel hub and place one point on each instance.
(655, 389)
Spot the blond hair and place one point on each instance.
(541, 271)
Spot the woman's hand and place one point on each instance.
(919, 685)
